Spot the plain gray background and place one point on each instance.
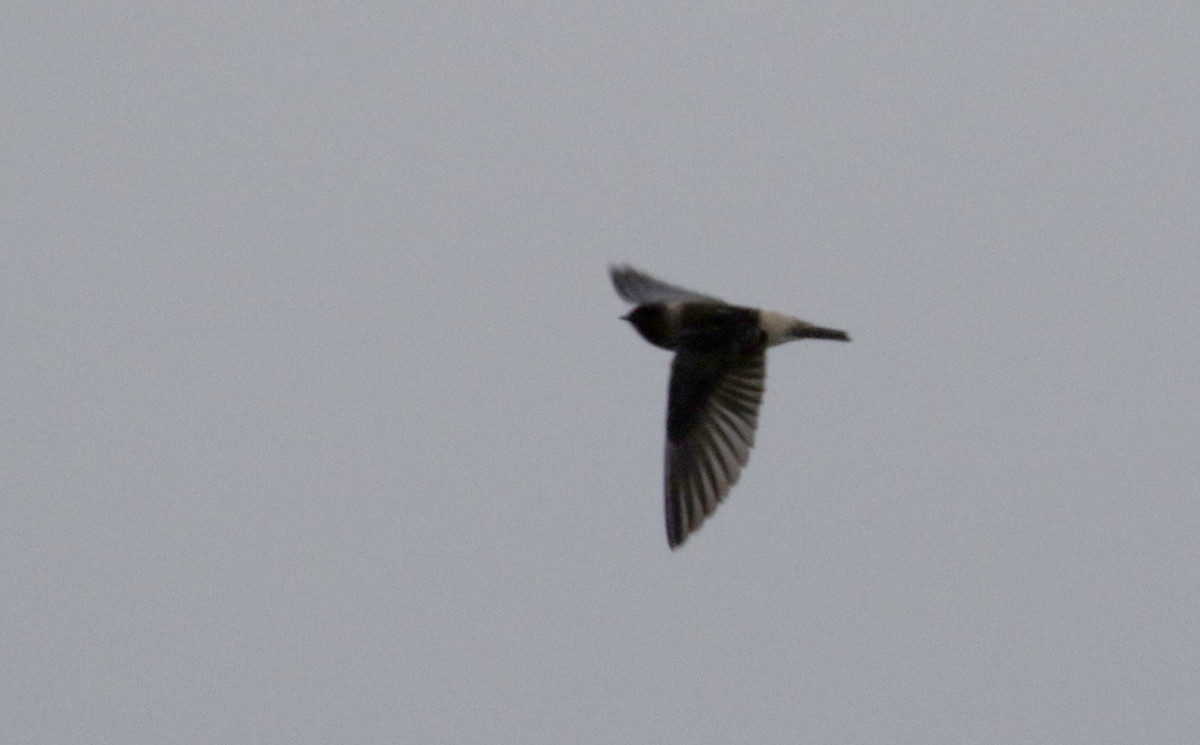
(320, 426)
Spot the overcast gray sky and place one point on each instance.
(320, 424)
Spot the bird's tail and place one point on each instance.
(804, 330)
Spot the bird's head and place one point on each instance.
(655, 323)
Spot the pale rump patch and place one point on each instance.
(778, 327)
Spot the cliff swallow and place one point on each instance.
(716, 386)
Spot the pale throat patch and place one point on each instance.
(674, 317)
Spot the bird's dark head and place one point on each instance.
(655, 323)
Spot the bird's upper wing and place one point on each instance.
(712, 412)
(635, 287)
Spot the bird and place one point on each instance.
(716, 386)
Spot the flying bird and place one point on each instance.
(716, 386)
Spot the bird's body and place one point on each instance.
(716, 386)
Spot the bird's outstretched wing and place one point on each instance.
(712, 412)
(636, 287)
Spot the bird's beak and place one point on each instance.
(626, 316)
